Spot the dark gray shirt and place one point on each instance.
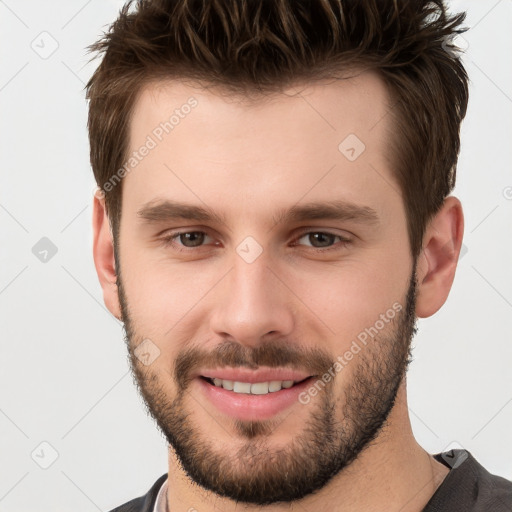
(468, 487)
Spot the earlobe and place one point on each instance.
(438, 260)
(103, 253)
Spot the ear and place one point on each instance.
(439, 257)
(103, 252)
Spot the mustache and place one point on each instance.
(270, 354)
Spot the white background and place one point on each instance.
(64, 373)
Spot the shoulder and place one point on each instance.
(144, 503)
(495, 492)
(469, 487)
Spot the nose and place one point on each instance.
(252, 304)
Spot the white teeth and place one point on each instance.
(242, 387)
(256, 388)
(227, 384)
(274, 385)
(259, 388)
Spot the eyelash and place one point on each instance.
(170, 241)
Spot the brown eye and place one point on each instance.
(192, 238)
(184, 240)
(322, 240)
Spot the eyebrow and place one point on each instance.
(328, 210)
(165, 211)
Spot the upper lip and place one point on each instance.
(252, 376)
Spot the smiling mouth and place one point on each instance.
(253, 388)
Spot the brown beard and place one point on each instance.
(328, 444)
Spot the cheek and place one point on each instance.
(332, 302)
(346, 298)
(165, 296)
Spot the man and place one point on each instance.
(273, 215)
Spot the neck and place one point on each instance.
(393, 470)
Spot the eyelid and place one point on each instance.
(343, 242)
(170, 237)
(327, 231)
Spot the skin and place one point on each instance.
(246, 160)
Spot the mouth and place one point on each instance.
(252, 388)
(252, 396)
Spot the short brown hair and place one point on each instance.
(259, 46)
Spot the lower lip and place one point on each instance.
(246, 407)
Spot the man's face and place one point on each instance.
(271, 290)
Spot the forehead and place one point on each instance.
(361, 97)
(208, 143)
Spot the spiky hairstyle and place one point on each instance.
(260, 46)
